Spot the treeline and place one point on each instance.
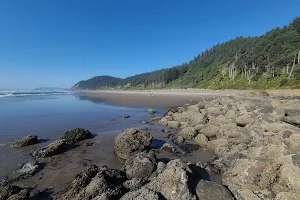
(269, 61)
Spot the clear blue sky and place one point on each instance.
(59, 42)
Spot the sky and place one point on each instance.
(56, 43)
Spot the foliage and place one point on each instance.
(270, 54)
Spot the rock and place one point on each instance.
(213, 144)
(201, 139)
(243, 174)
(76, 135)
(201, 105)
(141, 194)
(292, 119)
(193, 107)
(181, 109)
(126, 116)
(7, 191)
(244, 194)
(131, 141)
(151, 112)
(192, 117)
(230, 114)
(164, 121)
(22, 195)
(282, 175)
(88, 143)
(172, 182)
(199, 127)
(189, 148)
(273, 127)
(243, 120)
(51, 149)
(140, 165)
(144, 122)
(292, 112)
(155, 119)
(267, 152)
(287, 196)
(134, 183)
(184, 124)
(173, 124)
(210, 131)
(168, 147)
(29, 140)
(188, 133)
(98, 183)
(212, 191)
(179, 140)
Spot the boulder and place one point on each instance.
(243, 174)
(282, 175)
(292, 112)
(191, 116)
(181, 109)
(155, 119)
(164, 121)
(213, 144)
(168, 147)
(243, 120)
(193, 107)
(188, 133)
(179, 140)
(151, 112)
(22, 195)
(141, 194)
(54, 148)
(131, 141)
(230, 114)
(140, 165)
(76, 135)
(172, 182)
(98, 183)
(210, 131)
(134, 183)
(244, 194)
(174, 124)
(292, 119)
(199, 127)
(214, 111)
(267, 152)
(201, 139)
(212, 191)
(287, 196)
(29, 140)
(7, 191)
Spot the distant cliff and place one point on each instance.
(269, 61)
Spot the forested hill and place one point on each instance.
(269, 61)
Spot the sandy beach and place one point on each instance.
(175, 97)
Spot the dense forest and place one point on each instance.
(269, 61)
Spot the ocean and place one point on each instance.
(50, 113)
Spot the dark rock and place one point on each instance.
(179, 140)
(134, 183)
(88, 143)
(131, 141)
(140, 165)
(212, 191)
(22, 195)
(126, 116)
(7, 191)
(98, 183)
(76, 135)
(189, 148)
(29, 140)
(51, 149)
(151, 111)
(27, 170)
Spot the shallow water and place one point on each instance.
(49, 116)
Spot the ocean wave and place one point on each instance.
(23, 93)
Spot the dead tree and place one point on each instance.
(294, 63)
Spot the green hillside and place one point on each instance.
(269, 61)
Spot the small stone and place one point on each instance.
(126, 116)
(151, 111)
(168, 147)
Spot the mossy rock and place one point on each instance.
(28, 140)
(76, 135)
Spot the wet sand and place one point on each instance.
(175, 97)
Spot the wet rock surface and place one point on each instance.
(131, 141)
(54, 148)
(76, 135)
(29, 140)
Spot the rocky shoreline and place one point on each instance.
(253, 146)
